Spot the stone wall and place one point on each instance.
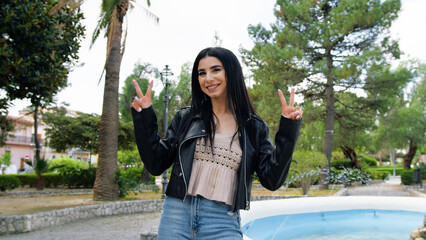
(26, 223)
(420, 232)
(52, 192)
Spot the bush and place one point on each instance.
(423, 170)
(52, 179)
(129, 180)
(79, 178)
(66, 164)
(8, 182)
(378, 174)
(341, 164)
(305, 169)
(372, 162)
(407, 177)
(27, 179)
(347, 176)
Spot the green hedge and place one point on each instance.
(73, 179)
(80, 178)
(372, 162)
(407, 177)
(8, 182)
(378, 174)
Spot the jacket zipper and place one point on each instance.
(245, 169)
(181, 165)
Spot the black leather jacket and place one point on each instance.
(258, 154)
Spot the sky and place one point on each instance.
(185, 27)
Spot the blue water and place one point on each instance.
(357, 224)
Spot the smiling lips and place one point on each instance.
(211, 88)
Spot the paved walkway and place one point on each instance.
(132, 226)
(391, 187)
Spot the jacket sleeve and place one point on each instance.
(157, 155)
(274, 163)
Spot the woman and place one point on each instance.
(216, 145)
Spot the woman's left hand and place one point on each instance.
(289, 111)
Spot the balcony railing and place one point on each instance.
(22, 139)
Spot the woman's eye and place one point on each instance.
(201, 73)
(216, 70)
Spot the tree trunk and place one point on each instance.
(145, 176)
(329, 116)
(408, 158)
(36, 140)
(40, 185)
(351, 154)
(105, 187)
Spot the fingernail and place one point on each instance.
(139, 109)
(136, 98)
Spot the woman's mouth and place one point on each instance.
(212, 87)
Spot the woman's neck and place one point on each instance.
(220, 107)
(225, 122)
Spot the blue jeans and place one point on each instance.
(198, 218)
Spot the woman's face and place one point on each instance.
(212, 78)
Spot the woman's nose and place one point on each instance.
(209, 76)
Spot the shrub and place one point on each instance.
(407, 177)
(305, 169)
(79, 178)
(372, 162)
(347, 176)
(27, 179)
(423, 170)
(378, 174)
(8, 182)
(66, 164)
(52, 179)
(341, 164)
(129, 180)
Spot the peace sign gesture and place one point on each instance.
(289, 111)
(143, 101)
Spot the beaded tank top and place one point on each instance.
(214, 176)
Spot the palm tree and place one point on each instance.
(112, 17)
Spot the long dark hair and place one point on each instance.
(236, 92)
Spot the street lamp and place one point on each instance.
(165, 73)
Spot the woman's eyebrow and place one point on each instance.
(215, 66)
(212, 67)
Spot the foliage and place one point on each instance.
(407, 177)
(328, 49)
(304, 170)
(26, 179)
(341, 164)
(41, 166)
(142, 73)
(6, 125)
(371, 162)
(66, 164)
(81, 131)
(378, 174)
(5, 161)
(129, 180)
(37, 48)
(347, 176)
(8, 182)
(403, 125)
(79, 178)
(52, 179)
(129, 158)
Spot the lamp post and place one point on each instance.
(165, 73)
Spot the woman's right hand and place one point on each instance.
(143, 101)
